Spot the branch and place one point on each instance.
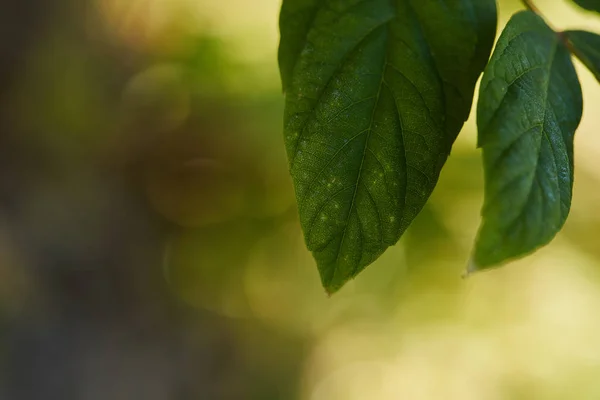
(531, 7)
(534, 9)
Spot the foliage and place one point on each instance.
(586, 46)
(376, 94)
(591, 5)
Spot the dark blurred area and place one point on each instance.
(150, 247)
(106, 153)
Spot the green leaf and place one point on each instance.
(376, 93)
(295, 21)
(529, 107)
(590, 5)
(586, 46)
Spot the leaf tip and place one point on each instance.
(472, 267)
(330, 281)
(331, 289)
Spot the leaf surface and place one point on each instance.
(530, 104)
(377, 91)
(586, 46)
(590, 5)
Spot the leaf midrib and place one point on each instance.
(360, 168)
(543, 134)
(376, 103)
(308, 115)
(342, 62)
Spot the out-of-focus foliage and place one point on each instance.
(586, 46)
(149, 245)
(590, 5)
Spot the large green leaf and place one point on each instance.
(377, 91)
(591, 5)
(529, 107)
(295, 21)
(586, 46)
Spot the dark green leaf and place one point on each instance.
(586, 46)
(295, 21)
(590, 5)
(529, 107)
(376, 93)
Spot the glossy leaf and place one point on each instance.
(376, 93)
(590, 5)
(586, 46)
(529, 107)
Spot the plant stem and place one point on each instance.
(561, 35)
(534, 9)
(574, 51)
(531, 7)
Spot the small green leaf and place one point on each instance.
(377, 92)
(590, 5)
(529, 107)
(586, 46)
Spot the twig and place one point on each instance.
(531, 7)
(534, 9)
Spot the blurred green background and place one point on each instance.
(150, 247)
